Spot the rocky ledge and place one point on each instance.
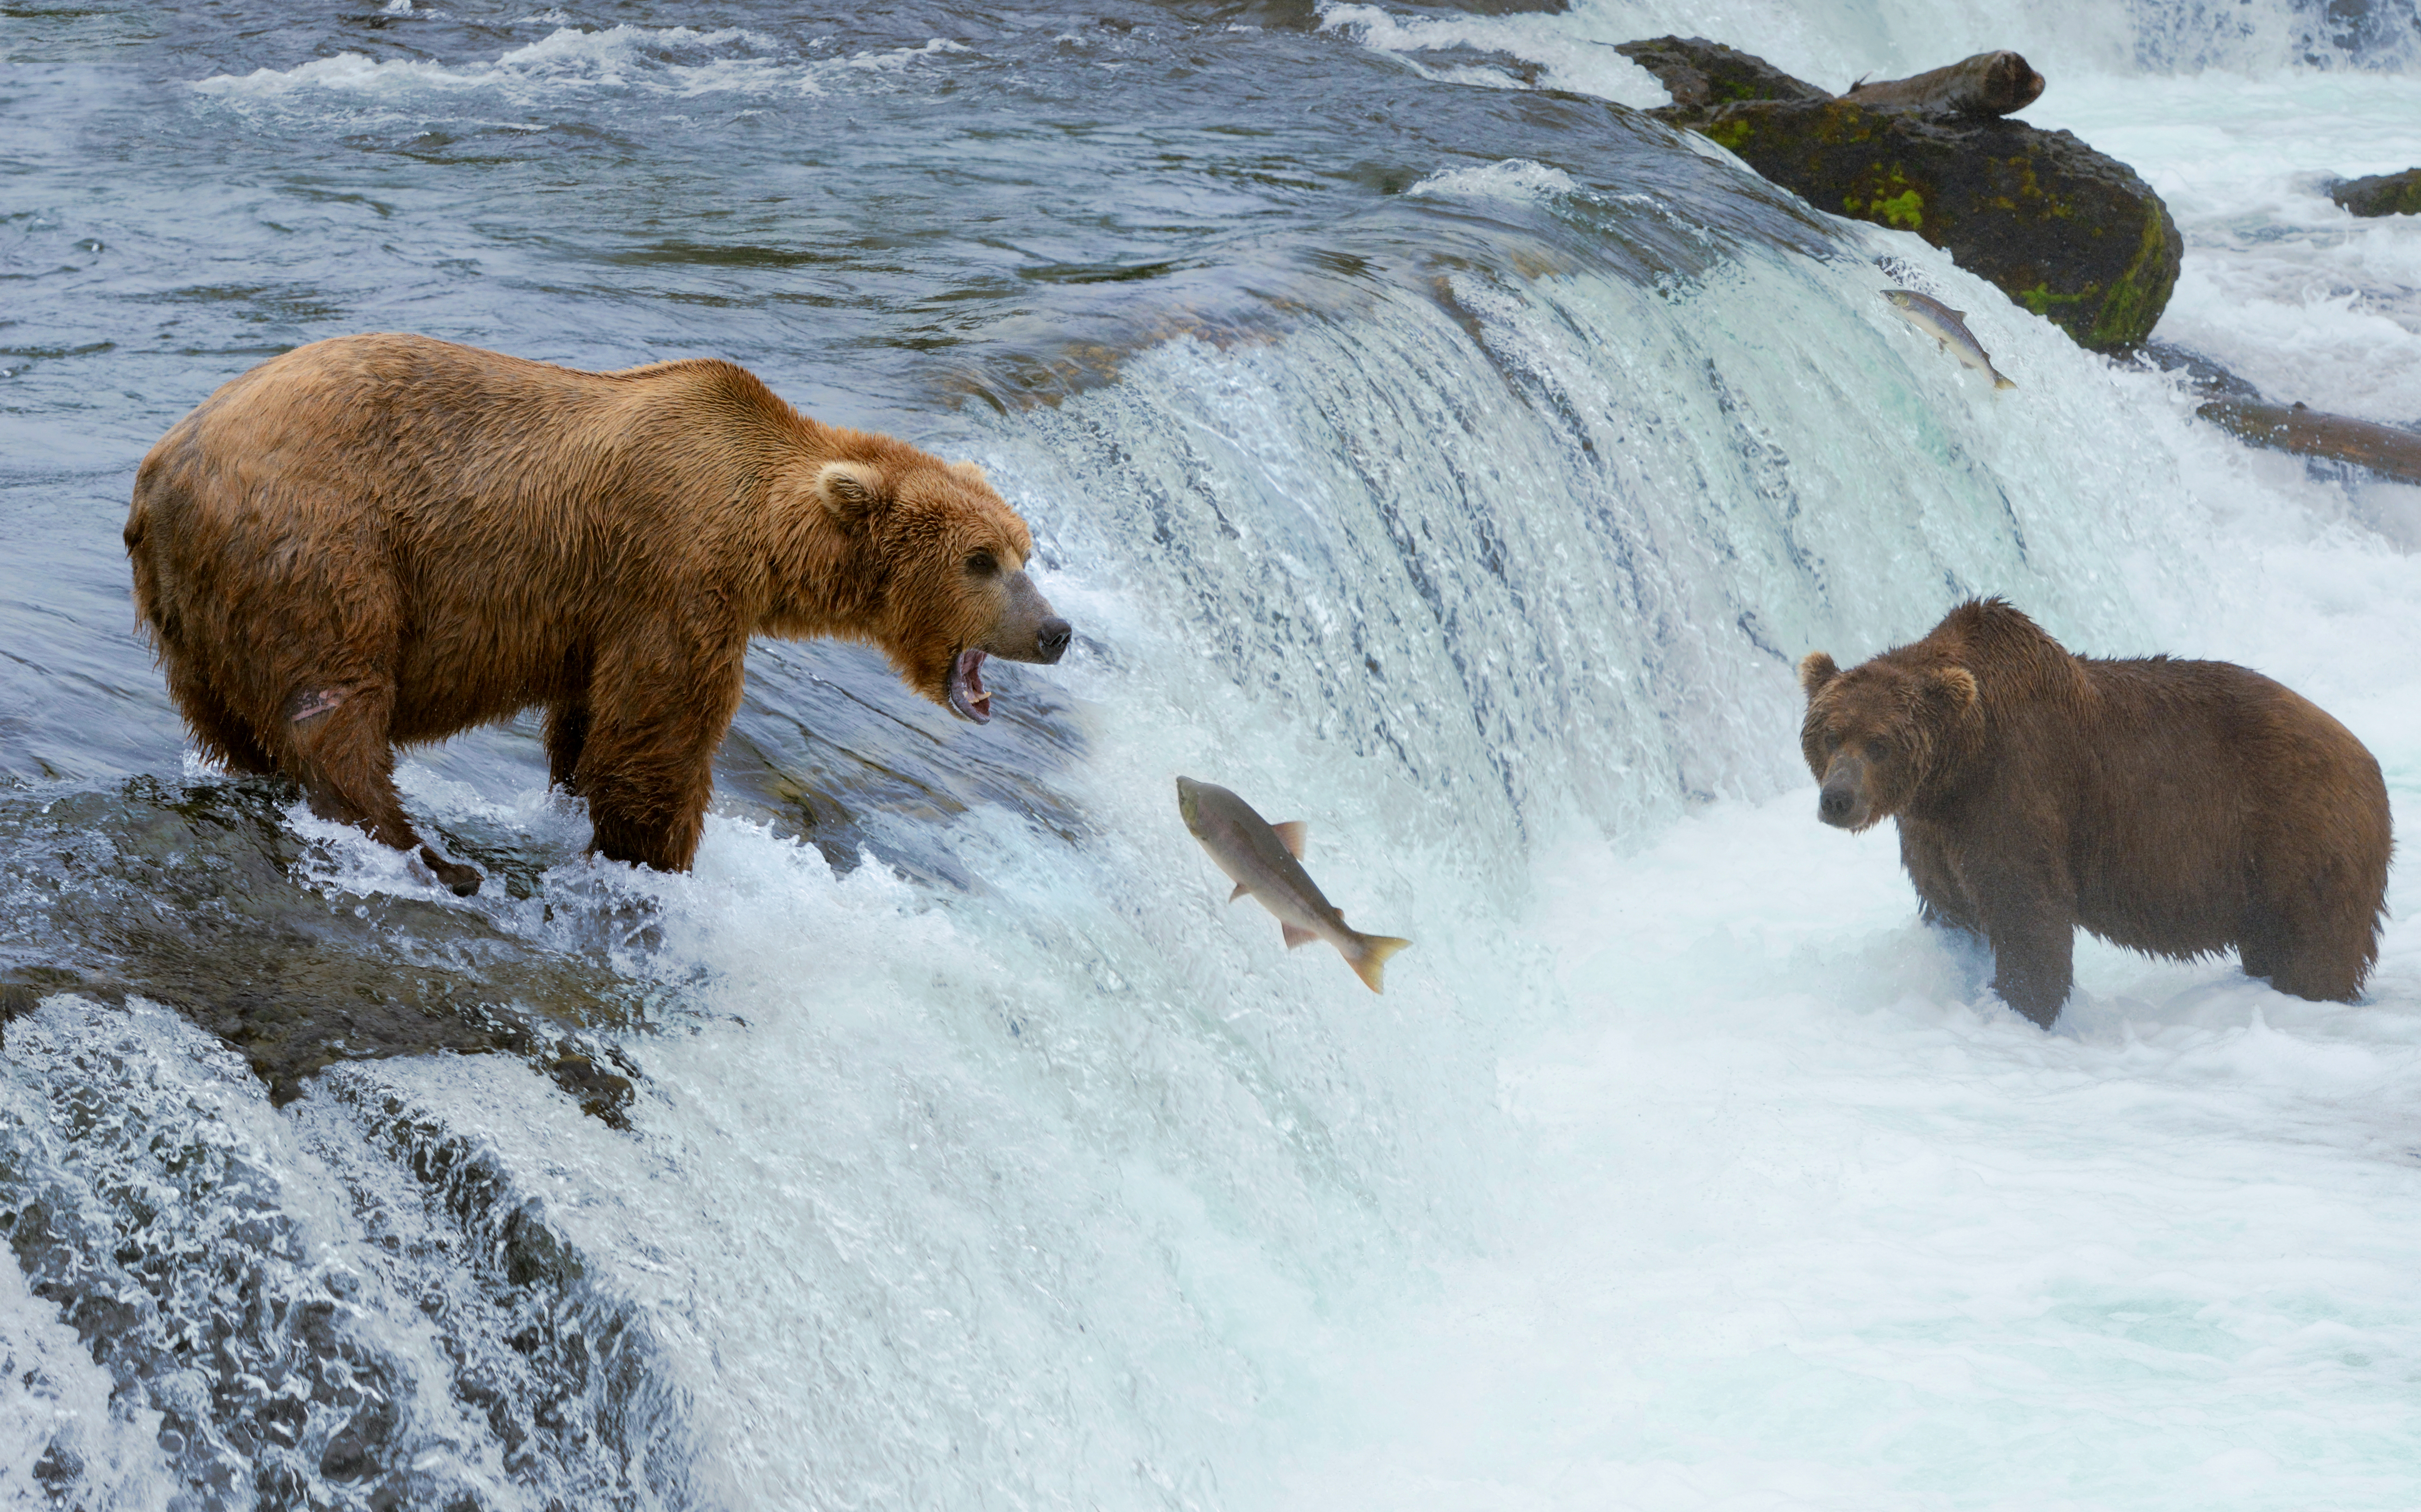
(2069, 233)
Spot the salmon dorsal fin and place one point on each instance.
(1241, 891)
(1961, 314)
(1295, 936)
(1289, 835)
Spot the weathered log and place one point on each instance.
(2382, 194)
(1700, 74)
(2387, 450)
(1988, 84)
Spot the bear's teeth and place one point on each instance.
(968, 694)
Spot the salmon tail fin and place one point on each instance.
(1369, 958)
(1999, 381)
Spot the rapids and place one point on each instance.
(1422, 446)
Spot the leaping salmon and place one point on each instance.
(1264, 860)
(1946, 326)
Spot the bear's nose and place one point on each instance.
(1835, 806)
(1051, 638)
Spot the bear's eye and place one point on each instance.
(1831, 740)
(983, 563)
(1879, 750)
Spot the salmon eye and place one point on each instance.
(983, 563)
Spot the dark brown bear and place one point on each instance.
(386, 539)
(2175, 807)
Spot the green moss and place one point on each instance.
(1728, 135)
(1886, 197)
(2142, 292)
(2039, 298)
(1843, 123)
(1904, 210)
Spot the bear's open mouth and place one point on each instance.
(969, 698)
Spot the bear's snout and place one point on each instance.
(1841, 804)
(1028, 630)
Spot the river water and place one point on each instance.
(1423, 444)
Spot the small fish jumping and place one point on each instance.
(1946, 326)
(1264, 860)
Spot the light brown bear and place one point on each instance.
(2180, 808)
(385, 539)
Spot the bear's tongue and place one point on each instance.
(967, 694)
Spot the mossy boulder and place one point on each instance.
(2069, 233)
(2382, 194)
(2072, 235)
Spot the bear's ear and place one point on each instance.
(849, 490)
(972, 473)
(1955, 686)
(1814, 670)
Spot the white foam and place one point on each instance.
(1565, 47)
(1514, 178)
(2280, 284)
(673, 61)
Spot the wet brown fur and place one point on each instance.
(381, 540)
(2180, 808)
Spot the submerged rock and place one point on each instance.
(2069, 233)
(2382, 194)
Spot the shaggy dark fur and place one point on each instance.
(2180, 808)
(385, 539)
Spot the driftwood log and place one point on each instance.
(1988, 84)
(2390, 452)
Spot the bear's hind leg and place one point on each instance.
(225, 736)
(339, 739)
(2324, 955)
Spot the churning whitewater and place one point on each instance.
(1422, 448)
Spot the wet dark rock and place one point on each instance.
(2382, 194)
(2071, 234)
(1700, 74)
(353, 1451)
(188, 896)
(600, 1094)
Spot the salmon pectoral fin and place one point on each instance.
(1289, 835)
(1370, 956)
(1295, 936)
(1240, 892)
